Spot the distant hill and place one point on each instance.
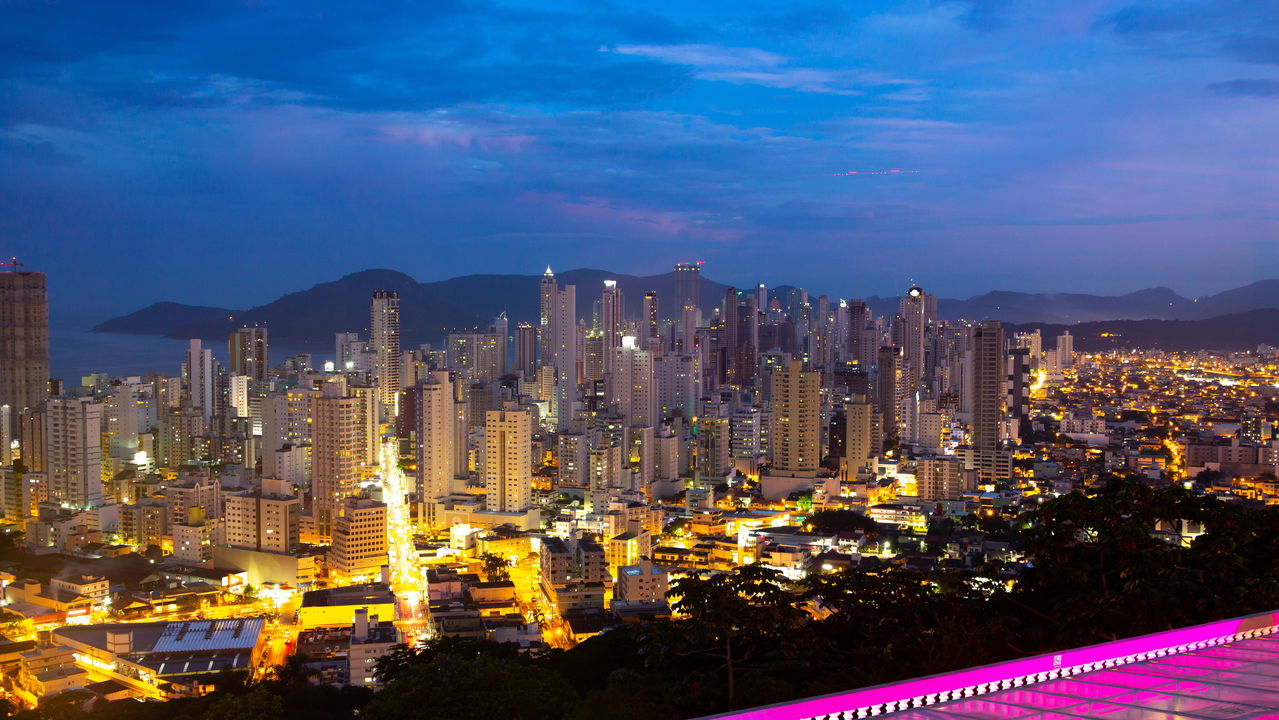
(1239, 331)
(431, 310)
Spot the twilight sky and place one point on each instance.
(219, 152)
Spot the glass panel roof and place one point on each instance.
(1239, 681)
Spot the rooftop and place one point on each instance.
(1225, 669)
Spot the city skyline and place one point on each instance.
(566, 359)
(1033, 141)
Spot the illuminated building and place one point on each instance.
(436, 435)
(337, 450)
(508, 462)
(160, 660)
(247, 352)
(862, 432)
(566, 352)
(797, 430)
(371, 639)
(630, 383)
(889, 391)
(24, 340)
(384, 341)
(650, 321)
(73, 451)
(610, 323)
(687, 304)
(988, 457)
(199, 376)
(337, 607)
(940, 478)
(526, 350)
(359, 538)
(267, 518)
(546, 323)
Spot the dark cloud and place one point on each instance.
(1243, 31)
(983, 15)
(1252, 87)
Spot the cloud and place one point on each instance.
(753, 66)
(1242, 31)
(1255, 87)
(982, 15)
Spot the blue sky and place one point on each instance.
(223, 153)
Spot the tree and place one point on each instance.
(735, 617)
(260, 703)
(496, 567)
(837, 521)
(453, 686)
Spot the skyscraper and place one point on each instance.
(200, 378)
(436, 432)
(526, 350)
(564, 329)
(688, 295)
(73, 451)
(24, 340)
(650, 324)
(610, 321)
(546, 329)
(508, 464)
(630, 384)
(336, 450)
(797, 428)
(384, 341)
(889, 386)
(915, 322)
(247, 351)
(989, 371)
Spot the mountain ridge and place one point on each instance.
(430, 310)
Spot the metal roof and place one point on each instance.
(1235, 681)
(200, 635)
(1223, 670)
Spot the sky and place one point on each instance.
(223, 153)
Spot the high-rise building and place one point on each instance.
(359, 538)
(688, 298)
(630, 384)
(650, 321)
(889, 389)
(546, 326)
(526, 350)
(436, 434)
(499, 337)
(73, 451)
(267, 518)
(939, 478)
(861, 427)
(508, 461)
(797, 431)
(349, 352)
(610, 322)
(1065, 350)
(247, 350)
(337, 448)
(384, 341)
(678, 385)
(989, 459)
(24, 340)
(200, 379)
(914, 324)
(566, 352)
(988, 384)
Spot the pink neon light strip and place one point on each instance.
(987, 674)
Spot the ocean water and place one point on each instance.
(76, 351)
